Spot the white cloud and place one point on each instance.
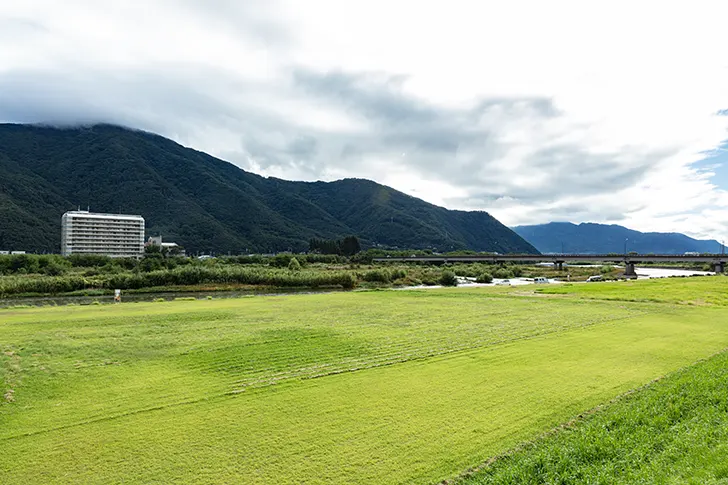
(534, 111)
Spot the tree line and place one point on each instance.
(347, 246)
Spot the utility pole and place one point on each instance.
(625, 246)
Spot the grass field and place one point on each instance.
(675, 431)
(690, 291)
(364, 387)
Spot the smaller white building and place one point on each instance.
(170, 248)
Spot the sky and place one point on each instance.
(613, 112)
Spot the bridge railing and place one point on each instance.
(637, 258)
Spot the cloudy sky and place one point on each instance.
(535, 111)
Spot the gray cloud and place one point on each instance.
(156, 100)
(448, 144)
(260, 124)
(439, 143)
(377, 96)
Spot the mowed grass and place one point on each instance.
(704, 290)
(370, 387)
(674, 431)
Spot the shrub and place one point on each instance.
(54, 269)
(471, 270)
(108, 269)
(448, 278)
(502, 273)
(152, 262)
(125, 263)
(294, 265)
(50, 264)
(245, 259)
(23, 264)
(484, 278)
(88, 260)
(324, 258)
(280, 260)
(377, 276)
(398, 274)
(364, 257)
(430, 277)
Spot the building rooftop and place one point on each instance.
(101, 215)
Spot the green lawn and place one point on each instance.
(702, 290)
(366, 387)
(675, 431)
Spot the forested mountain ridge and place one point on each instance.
(205, 203)
(590, 238)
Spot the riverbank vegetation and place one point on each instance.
(361, 387)
(52, 274)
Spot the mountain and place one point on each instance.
(589, 238)
(205, 203)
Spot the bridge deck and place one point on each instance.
(564, 258)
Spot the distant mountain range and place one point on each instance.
(205, 203)
(589, 238)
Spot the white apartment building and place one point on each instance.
(115, 235)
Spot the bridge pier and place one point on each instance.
(559, 265)
(719, 267)
(629, 271)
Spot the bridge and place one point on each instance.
(717, 261)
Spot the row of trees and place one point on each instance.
(348, 246)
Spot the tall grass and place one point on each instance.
(45, 284)
(194, 275)
(381, 275)
(187, 275)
